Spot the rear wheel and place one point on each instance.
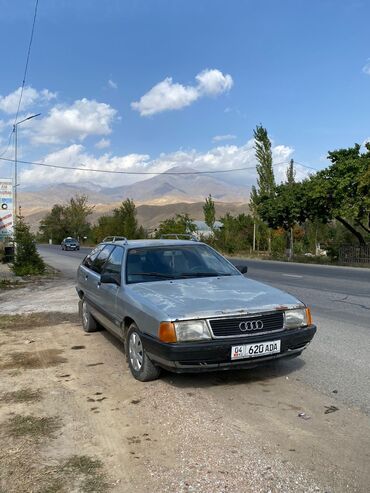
(89, 323)
(140, 365)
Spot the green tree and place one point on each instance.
(125, 218)
(180, 224)
(76, 214)
(290, 173)
(341, 191)
(236, 233)
(54, 225)
(209, 212)
(265, 174)
(27, 260)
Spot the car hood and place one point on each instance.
(211, 296)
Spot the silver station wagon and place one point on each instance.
(182, 306)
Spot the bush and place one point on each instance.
(27, 260)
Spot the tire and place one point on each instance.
(140, 365)
(89, 324)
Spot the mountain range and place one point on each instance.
(160, 189)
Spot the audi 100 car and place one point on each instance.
(182, 306)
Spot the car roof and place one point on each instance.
(152, 243)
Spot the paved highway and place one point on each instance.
(337, 363)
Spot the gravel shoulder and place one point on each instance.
(221, 432)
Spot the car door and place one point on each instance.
(94, 299)
(108, 292)
(85, 273)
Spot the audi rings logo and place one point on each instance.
(251, 325)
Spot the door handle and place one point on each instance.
(86, 277)
(98, 284)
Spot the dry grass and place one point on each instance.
(34, 426)
(22, 395)
(28, 360)
(26, 322)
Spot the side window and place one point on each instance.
(114, 263)
(89, 259)
(99, 261)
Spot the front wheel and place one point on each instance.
(140, 365)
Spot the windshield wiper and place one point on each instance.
(152, 274)
(202, 274)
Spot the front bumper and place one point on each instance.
(216, 354)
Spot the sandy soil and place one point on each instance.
(222, 432)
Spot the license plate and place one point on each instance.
(254, 350)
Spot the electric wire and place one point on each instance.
(24, 78)
(27, 61)
(122, 172)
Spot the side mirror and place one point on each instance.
(242, 268)
(108, 278)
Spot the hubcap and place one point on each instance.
(85, 317)
(135, 349)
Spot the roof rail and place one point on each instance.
(178, 236)
(115, 238)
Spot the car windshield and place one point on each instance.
(175, 262)
(70, 240)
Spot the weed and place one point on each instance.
(22, 395)
(27, 322)
(33, 426)
(34, 359)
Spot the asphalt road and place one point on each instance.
(337, 363)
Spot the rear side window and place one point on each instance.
(114, 263)
(98, 263)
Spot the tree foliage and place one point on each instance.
(27, 260)
(265, 173)
(340, 191)
(67, 220)
(179, 224)
(209, 212)
(123, 222)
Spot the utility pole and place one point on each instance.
(15, 130)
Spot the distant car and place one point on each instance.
(70, 244)
(182, 306)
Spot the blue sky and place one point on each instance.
(196, 69)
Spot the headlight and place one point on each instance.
(294, 319)
(192, 330)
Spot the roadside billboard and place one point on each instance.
(6, 208)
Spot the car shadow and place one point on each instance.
(261, 375)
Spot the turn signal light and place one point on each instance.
(308, 316)
(167, 332)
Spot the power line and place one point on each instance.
(121, 172)
(8, 145)
(27, 61)
(24, 77)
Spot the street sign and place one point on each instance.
(6, 208)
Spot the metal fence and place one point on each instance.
(354, 254)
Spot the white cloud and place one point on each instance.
(167, 95)
(218, 158)
(102, 144)
(9, 103)
(213, 82)
(220, 138)
(75, 122)
(112, 84)
(366, 67)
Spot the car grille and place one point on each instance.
(230, 327)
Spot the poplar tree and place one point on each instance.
(265, 174)
(209, 212)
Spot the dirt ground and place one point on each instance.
(72, 419)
